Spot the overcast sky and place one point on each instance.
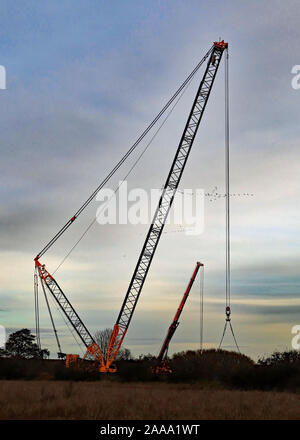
(84, 78)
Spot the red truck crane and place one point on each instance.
(175, 323)
(163, 367)
(214, 56)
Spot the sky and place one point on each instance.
(83, 80)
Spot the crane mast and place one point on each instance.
(164, 349)
(165, 203)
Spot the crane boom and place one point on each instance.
(165, 203)
(122, 160)
(164, 349)
(70, 313)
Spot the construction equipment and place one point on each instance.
(227, 200)
(163, 366)
(71, 360)
(165, 202)
(214, 56)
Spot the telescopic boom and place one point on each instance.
(175, 323)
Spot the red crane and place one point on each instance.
(164, 349)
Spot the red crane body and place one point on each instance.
(164, 349)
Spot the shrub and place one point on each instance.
(83, 372)
(19, 368)
(136, 370)
(209, 365)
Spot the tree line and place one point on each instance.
(21, 344)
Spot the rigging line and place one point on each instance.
(234, 337)
(223, 335)
(227, 176)
(36, 308)
(67, 324)
(38, 318)
(123, 159)
(51, 318)
(34, 292)
(201, 307)
(122, 181)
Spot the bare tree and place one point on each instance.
(102, 338)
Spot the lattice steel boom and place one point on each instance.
(165, 202)
(70, 313)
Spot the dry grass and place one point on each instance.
(111, 401)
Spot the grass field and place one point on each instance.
(107, 400)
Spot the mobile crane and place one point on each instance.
(163, 367)
(93, 351)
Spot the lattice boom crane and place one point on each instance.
(155, 230)
(165, 202)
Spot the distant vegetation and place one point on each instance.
(21, 344)
(280, 371)
(102, 337)
(218, 368)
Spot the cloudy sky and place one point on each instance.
(84, 78)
